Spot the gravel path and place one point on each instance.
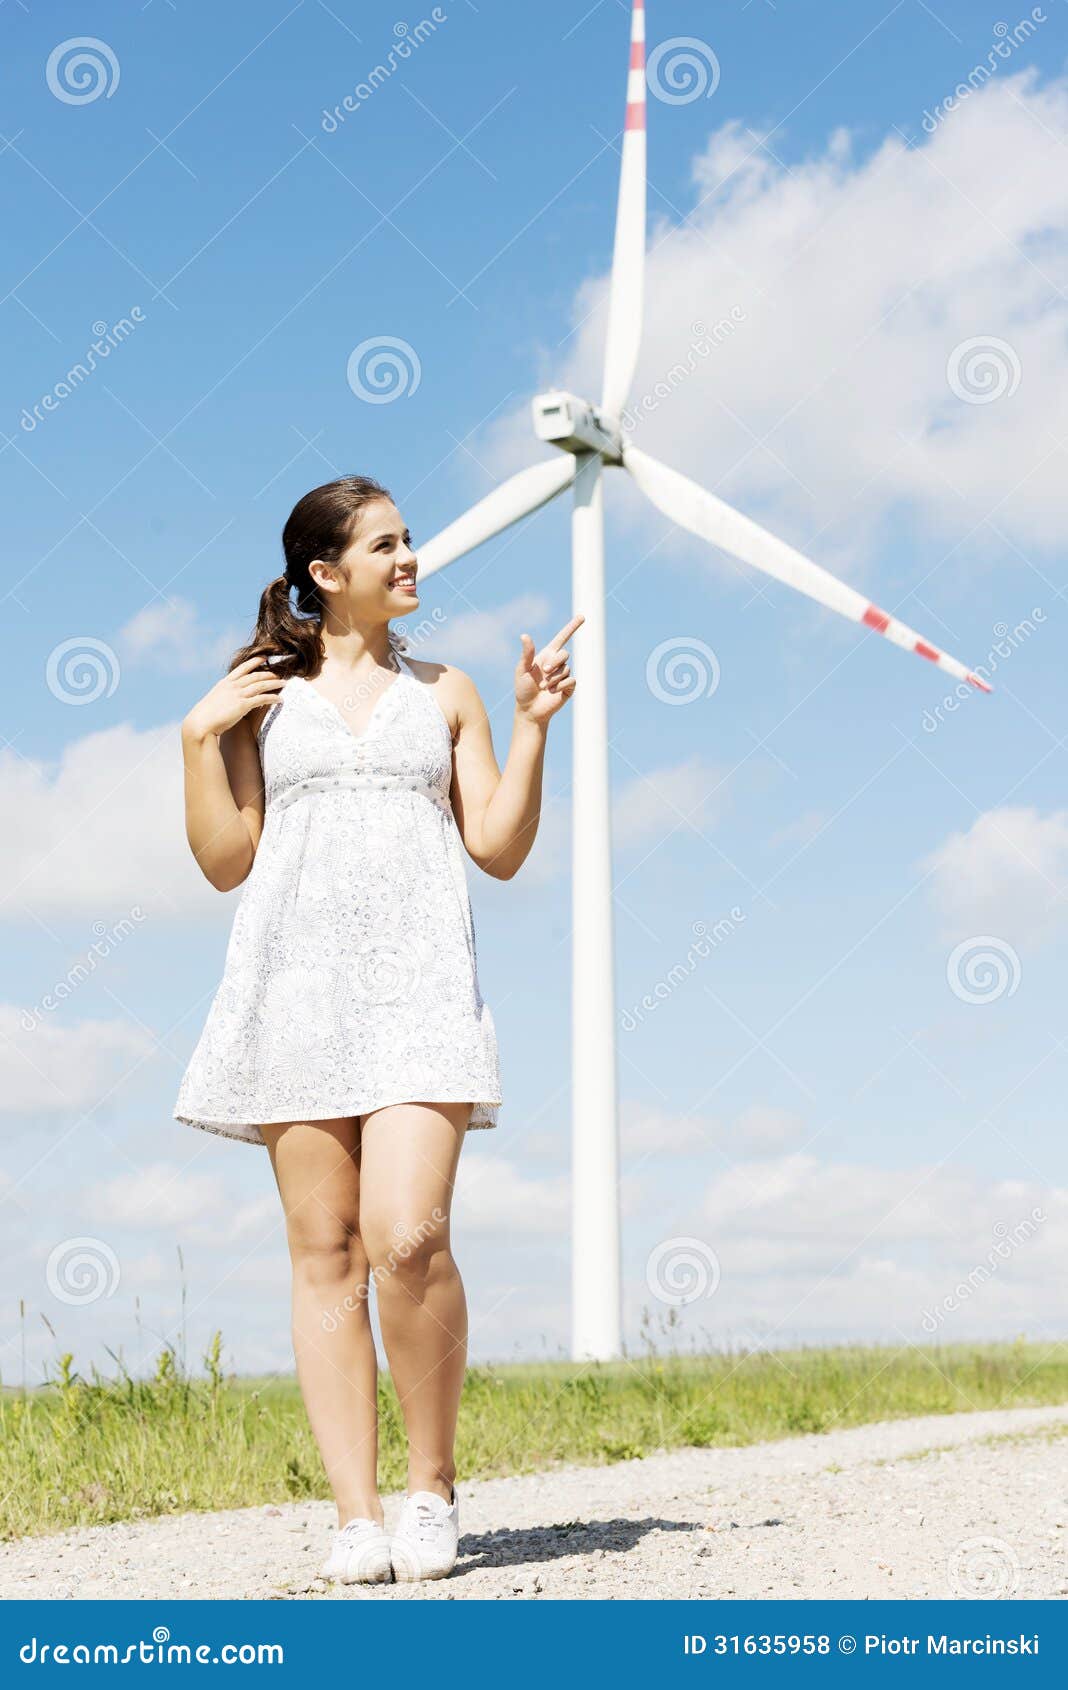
(954, 1505)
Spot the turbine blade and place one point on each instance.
(628, 258)
(702, 513)
(514, 498)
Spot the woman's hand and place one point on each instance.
(543, 681)
(252, 683)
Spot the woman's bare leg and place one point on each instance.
(409, 1154)
(317, 1166)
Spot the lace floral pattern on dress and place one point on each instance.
(351, 976)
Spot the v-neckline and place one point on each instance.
(338, 715)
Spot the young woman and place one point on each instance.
(337, 778)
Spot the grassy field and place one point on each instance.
(89, 1450)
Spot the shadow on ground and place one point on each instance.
(552, 1543)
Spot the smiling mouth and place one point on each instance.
(403, 583)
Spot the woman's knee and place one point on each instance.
(408, 1251)
(327, 1251)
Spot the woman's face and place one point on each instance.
(374, 578)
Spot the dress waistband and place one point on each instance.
(353, 778)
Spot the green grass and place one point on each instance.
(83, 1451)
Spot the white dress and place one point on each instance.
(351, 979)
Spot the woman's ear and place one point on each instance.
(323, 576)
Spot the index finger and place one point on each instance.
(566, 631)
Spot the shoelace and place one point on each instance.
(354, 1530)
(423, 1518)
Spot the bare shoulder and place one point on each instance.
(453, 689)
(248, 728)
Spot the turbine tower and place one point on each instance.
(589, 437)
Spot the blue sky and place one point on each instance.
(817, 1103)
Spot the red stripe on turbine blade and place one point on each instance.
(876, 618)
(635, 115)
(637, 55)
(976, 681)
(922, 649)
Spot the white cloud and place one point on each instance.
(1006, 876)
(266, 1271)
(494, 1196)
(489, 636)
(149, 1269)
(646, 1132)
(654, 805)
(799, 832)
(102, 832)
(47, 1068)
(809, 1250)
(645, 808)
(761, 1129)
(827, 405)
(199, 1205)
(160, 1195)
(170, 633)
(258, 1219)
(798, 1215)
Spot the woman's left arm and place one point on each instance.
(498, 812)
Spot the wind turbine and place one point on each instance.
(590, 437)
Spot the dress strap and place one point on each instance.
(396, 646)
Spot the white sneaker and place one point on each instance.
(359, 1555)
(425, 1541)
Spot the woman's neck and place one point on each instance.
(356, 648)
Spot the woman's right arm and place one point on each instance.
(223, 777)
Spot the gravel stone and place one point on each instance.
(917, 1509)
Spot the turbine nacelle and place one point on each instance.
(575, 425)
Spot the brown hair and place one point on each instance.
(320, 525)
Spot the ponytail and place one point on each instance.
(320, 526)
(281, 632)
